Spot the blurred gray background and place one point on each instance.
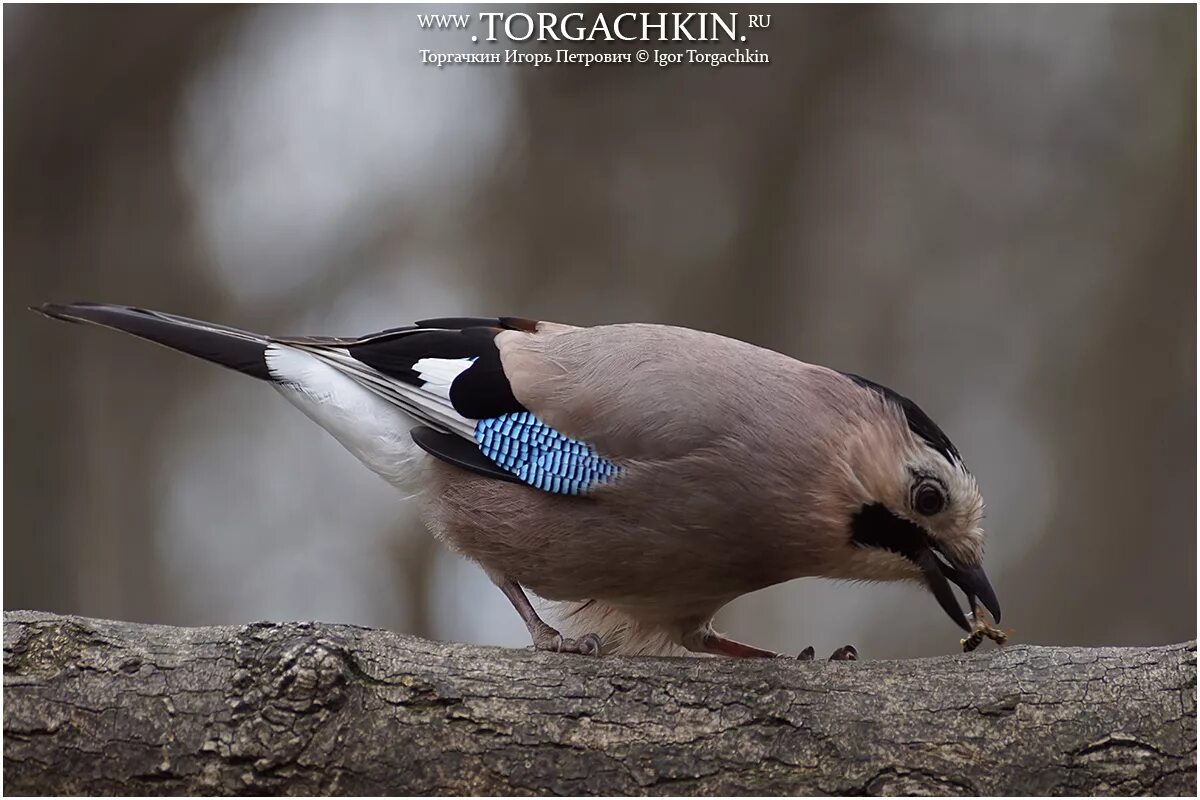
(991, 209)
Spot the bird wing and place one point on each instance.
(447, 374)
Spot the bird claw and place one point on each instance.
(845, 653)
(588, 645)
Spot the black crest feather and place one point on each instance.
(918, 421)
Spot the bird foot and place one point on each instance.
(552, 641)
(844, 653)
(544, 637)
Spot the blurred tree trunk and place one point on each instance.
(296, 708)
(93, 210)
(1138, 373)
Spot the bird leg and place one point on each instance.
(544, 637)
(709, 641)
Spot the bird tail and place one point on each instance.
(229, 347)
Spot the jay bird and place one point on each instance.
(642, 475)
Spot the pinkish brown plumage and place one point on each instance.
(641, 475)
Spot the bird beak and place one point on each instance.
(972, 580)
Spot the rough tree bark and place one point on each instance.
(93, 706)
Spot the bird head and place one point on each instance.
(912, 509)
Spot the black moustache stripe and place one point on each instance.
(876, 526)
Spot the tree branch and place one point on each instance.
(97, 707)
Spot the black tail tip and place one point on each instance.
(52, 310)
(64, 311)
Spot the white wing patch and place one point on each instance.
(439, 373)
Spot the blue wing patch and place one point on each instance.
(541, 456)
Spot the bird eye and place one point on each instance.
(928, 499)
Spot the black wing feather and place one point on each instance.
(459, 452)
(482, 391)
